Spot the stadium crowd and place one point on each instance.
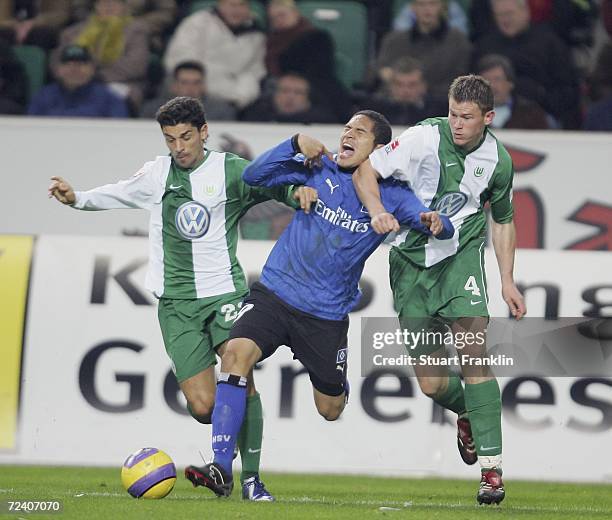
(549, 62)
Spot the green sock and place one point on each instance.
(453, 397)
(249, 438)
(483, 401)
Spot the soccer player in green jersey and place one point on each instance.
(196, 197)
(455, 165)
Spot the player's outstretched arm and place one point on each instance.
(365, 180)
(504, 244)
(61, 190)
(141, 190)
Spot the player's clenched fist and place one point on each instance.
(312, 149)
(307, 196)
(384, 223)
(61, 190)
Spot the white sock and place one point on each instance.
(488, 463)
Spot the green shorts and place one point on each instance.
(432, 298)
(194, 329)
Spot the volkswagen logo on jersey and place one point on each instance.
(451, 203)
(192, 220)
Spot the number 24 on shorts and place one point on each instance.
(233, 312)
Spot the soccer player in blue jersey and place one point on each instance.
(309, 283)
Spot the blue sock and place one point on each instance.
(227, 417)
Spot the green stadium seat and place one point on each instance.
(34, 60)
(257, 8)
(347, 22)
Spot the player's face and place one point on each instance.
(356, 142)
(186, 143)
(467, 122)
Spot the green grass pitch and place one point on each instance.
(96, 493)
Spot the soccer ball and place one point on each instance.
(148, 473)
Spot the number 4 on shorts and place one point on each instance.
(471, 286)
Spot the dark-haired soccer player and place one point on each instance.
(196, 197)
(309, 283)
(455, 165)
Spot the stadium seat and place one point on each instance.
(347, 22)
(257, 8)
(34, 60)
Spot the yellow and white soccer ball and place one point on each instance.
(148, 473)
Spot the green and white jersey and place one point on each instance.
(193, 227)
(450, 180)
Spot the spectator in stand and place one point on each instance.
(571, 20)
(544, 70)
(599, 114)
(77, 93)
(289, 103)
(443, 50)
(13, 82)
(31, 22)
(157, 16)
(229, 43)
(118, 44)
(511, 111)
(294, 45)
(189, 79)
(405, 100)
(286, 27)
(456, 16)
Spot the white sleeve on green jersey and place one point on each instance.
(400, 156)
(142, 190)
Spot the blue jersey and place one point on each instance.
(317, 262)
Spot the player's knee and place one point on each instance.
(201, 410)
(330, 411)
(230, 358)
(240, 356)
